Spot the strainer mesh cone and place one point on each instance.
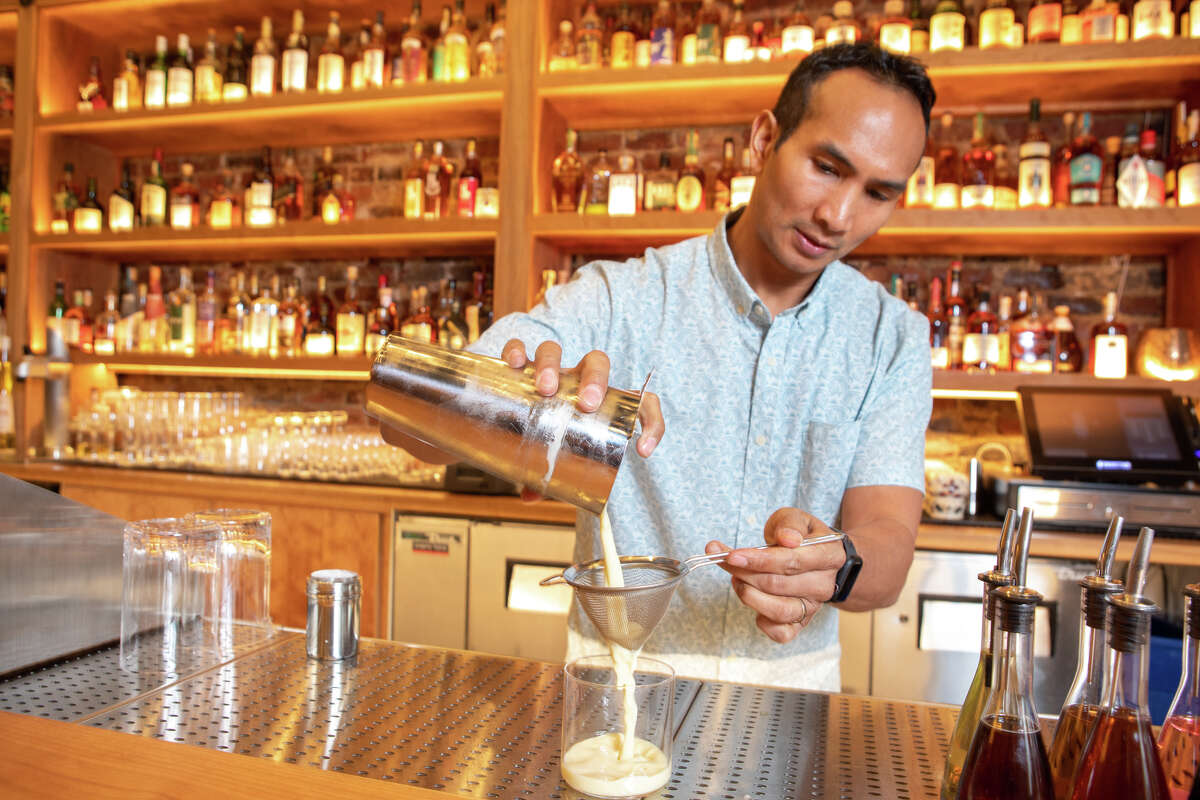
(626, 615)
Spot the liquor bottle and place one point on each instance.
(414, 48)
(224, 208)
(181, 316)
(320, 337)
(1032, 342)
(1099, 21)
(1005, 189)
(478, 309)
(1119, 759)
(262, 63)
(1067, 354)
(206, 317)
(127, 87)
(643, 46)
(1109, 353)
(468, 182)
(1072, 23)
(622, 43)
(1082, 704)
(487, 46)
(979, 168)
(981, 684)
(374, 55)
(289, 190)
(104, 331)
(185, 200)
(231, 327)
(1004, 333)
(624, 186)
(354, 55)
(742, 185)
(235, 87)
(351, 319)
(1187, 162)
(660, 186)
(1087, 165)
(587, 39)
(153, 338)
(74, 320)
(323, 183)
(122, 211)
(1179, 739)
(259, 195)
(331, 64)
(453, 329)
(130, 311)
(1156, 170)
(56, 325)
(1033, 168)
(419, 324)
(293, 72)
(153, 201)
(1007, 757)
(91, 91)
(262, 337)
(65, 201)
(458, 45)
(1044, 23)
(689, 191)
(439, 65)
(947, 27)
(439, 175)
(996, 23)
(708, 33)
(1060, 166)
(208, 72)
(156, 76)
(760, 50)
(956, 316)
(180, 79)
(845, 28)
(947, 168)
(337, 205)
(594, 199)
(414, 183)
(920, 28)
(89, 215)
(383, 318)
(685, 35)
(1152, 19)
(724, 178)
(981, 344)
(567, 176)
(662, 34)
(798, 39)
(289, 325)
(895, 34)
(737, 38)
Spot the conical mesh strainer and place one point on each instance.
(627, 615)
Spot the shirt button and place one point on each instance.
(752, 520)
(741, 309)
(760, 440)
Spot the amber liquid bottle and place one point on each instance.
(981, 683)
(1179, 740)
(1119, 760)
(1082, 705)
(1007, 756)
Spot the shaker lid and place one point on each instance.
(341, 582)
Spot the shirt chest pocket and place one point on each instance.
(829, 450)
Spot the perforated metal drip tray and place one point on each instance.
(484, 726)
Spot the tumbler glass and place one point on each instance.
(244, 573)
(593, 725)
(169, 601)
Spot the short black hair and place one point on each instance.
(887, 68)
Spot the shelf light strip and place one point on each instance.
(238, 372)
(974, 394)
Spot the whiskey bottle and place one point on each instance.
(127, 87)
(622, 43)
(662, 34)
(1032, 342)
(1067, 354)
(1087, 165)
(947, 168)
(742, 185)
(1072, 23)
(1099, 21)
(567, 176)
(1141, 174)
(153, 200)
(724, 178)
(351, 319)
(235, 87)
(1005, 189)
(208, 72)
(798, 39)
(947, 27)
(289, 190)
(1004, 333)
(293, 73)
(979, 166)
(1033, 179)
(181, 316)
(414, 183)
(122, 208)
(374, 55)
(262, 64)
(845, 28)
(1044, 23)
(439, 175)
(263, 335)
(919, 192)
(419, 325)
(73, 321)
(260, 208)
(1152, 19)
(64, 201)
(625, 186)
(920, 31)
(737, 38)
(185, 200)
(331, 64)
(488, 46)
(1082, 704)
(685, 35)
(156, 76)
(104, 332)
(319, 338)
(289, 323)
(595, 187)
(439, 62)
(660, 186)
(1060, 166)
(468, 182)
(338, 204)
(452, 325)
(154, 335)
(1109, 352)
(179, 75)
(224, 209)
(1187, 162)
(1179, 739)
(996, 23)
(939, 329)
(956, 316)
(708, 33)
(383, 318)
(689, 191)
(231, 327)
(89, 215)
(354, 55)
(642, 47)
(895, 34)
(587, 39)
(323, 182)
(206, 317)
(981, 344)
(414, 48)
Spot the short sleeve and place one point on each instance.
(891, 440)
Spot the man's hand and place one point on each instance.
(786, 584)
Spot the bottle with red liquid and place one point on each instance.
(1082, 705)
(981, 683)
(1119, 760)
(1179, 739)
(1007, 756)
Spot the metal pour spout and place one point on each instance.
(1108, 552)
(1021, 560)
(1139, 566)
(1004, 553)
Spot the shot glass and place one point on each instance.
(244, 573)
(594, 710)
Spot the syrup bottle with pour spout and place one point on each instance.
(1179, 739)
(1007, 756)
(1082, 705)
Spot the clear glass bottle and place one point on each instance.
(414, 183)
(206, 317)
(181, 316)
(562, 52)
(660, 186)
(979, 170)
(1179, 739)
(374, 56)
(331, 64)
(122, 208)
(981, 682)
(180, 78)
(1007, 757)
(947, 27)
(261, 336)
(127, 87)
(996, 23)
(293, 73)
(981, 344)
(724, 179)
(595, 186)
(414, 48)
(1119, 759)
(1108, 355)
(947, 167)
(895, 34)
(185, 200)
(156, 76)
(208, 72)
(567, 176)
(1082, 704)
(736, 43)
(1067, 354)
(662, 34)
(289, 325)
(351, 319)
(262, 64)
(588, 39)
(104, 332)
(486, 58)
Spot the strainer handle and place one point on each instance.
(716, 558)
(553, 580)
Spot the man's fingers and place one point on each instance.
(786, 560)
(514, 353)
(792, 519)
(808, 584)
(653, 425)
(546, 364)
(529, 495)
(779, 611)
(593, 380)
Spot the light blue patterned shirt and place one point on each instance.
(760, 414)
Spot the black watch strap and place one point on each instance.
(848, 574)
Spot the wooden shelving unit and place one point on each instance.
(231, 366)
(962, 384)
(3, 244)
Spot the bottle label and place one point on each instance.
(70, 331)
(220, 214)
(798, 39)
(295, 70)
(120, 214)
(156, 88)
(737, 49)
(7, 425)
(374, 342)
(940, 357)
(622, 194)
(487, 202)
(260, 194)
(980, 349)
(1005, 199)
(467, 189)
(689, 193)
(995, 27)
(919, 193)
(978, 197)
(1072, 29)
(414, 198)
(1111, 356)
(947, 31)
(708, 43)
(350, 332)
(458, 59)
(1086, 170)
(179, 86)
(896, 37)
(417, 331)
(318, 344)
(1137, 186)
(1045, 22)
(1100, 25)
(262, 75)
(1187, 185)
(660, 194)
(945, 195)
(621, 46)
(841, 33)
(287, 331)
(687, 49)
(373, 67)
(587, 53)
(120, 94)
(154, 204)
(1033, 176)
(1153, 18)
(208, 84)
(331, 72)
(740, 189)
(662, 46)
(182, 212)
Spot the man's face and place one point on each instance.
(834, 181)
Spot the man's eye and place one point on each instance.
(880, 196)
(826, 168)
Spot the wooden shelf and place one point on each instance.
(1080, 231)
(231, 366)
(1126, 75)
(310, 119)
(4, 244)
(382, 237)
(962, 384)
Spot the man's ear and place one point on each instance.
(764, 137)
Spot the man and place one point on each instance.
(797, 392)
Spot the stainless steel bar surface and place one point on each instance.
(475, 725)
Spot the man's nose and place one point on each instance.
(836, 209)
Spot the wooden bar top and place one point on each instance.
(964, 538)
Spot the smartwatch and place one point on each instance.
(848, 574)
